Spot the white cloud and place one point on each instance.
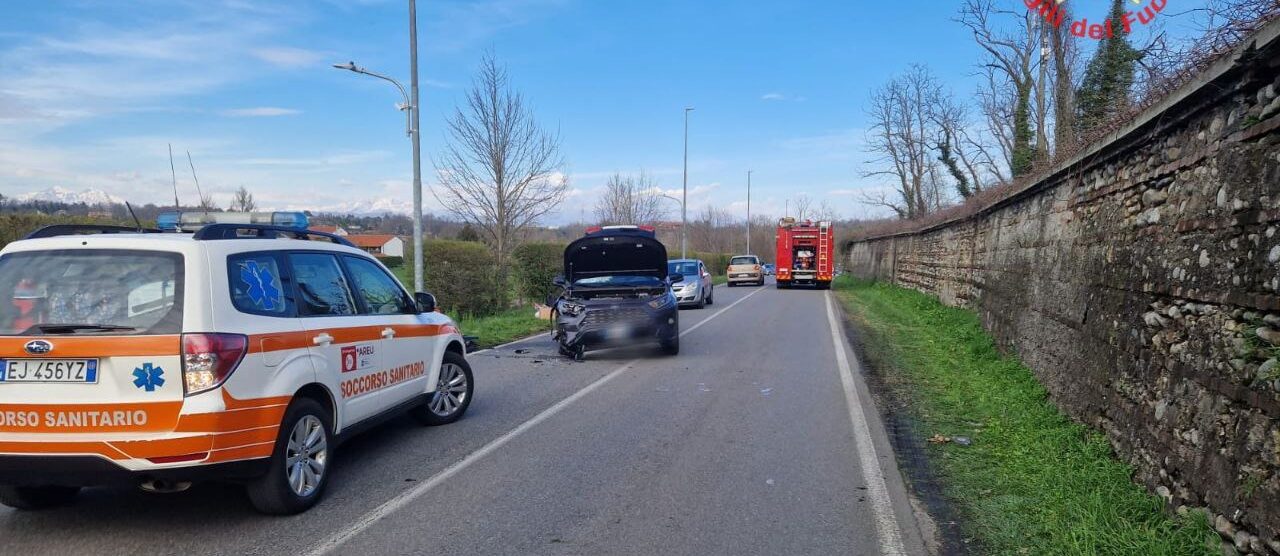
(260, 112)
(288, 57)
(773, 96)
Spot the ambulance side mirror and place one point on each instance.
(426, 302)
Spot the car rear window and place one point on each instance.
(742, 260)
(687, 269)
(122, 291)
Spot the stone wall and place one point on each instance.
(1140, 282)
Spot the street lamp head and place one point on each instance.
(349, 66)
(688, 109)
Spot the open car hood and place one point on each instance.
(618, 253)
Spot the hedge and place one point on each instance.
(14, 227)
(392, 261)
(534, 266)
(463, 276)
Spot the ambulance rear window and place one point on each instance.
(99, 291)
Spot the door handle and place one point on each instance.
(388, 333)
(323, 339)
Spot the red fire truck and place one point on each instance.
(805, 253)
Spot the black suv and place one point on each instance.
(616, 292)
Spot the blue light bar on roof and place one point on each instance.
(175, 221)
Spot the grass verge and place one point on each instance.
(1032, 481)
(503, 327)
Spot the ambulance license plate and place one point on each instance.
(73, 371)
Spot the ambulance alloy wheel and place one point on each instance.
(37, 498)
(452, 394)
(299, 468)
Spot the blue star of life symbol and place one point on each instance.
(148, 376)
(262, 288)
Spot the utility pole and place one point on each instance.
(749, 212)
(684, 202)
(410, 107)
(417, 148)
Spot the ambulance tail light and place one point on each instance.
(209, 359)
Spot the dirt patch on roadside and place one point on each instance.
(909, 446)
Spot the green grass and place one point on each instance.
(490, 330)
(1032, 482)
(501, 328)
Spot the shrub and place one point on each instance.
(535, 266)
(14, 227)
(464, 278)
(392, 261)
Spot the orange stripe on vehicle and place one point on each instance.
(233, 420)
(245, 438)
(142, 449)
(95, 346)
(263, 343)
(64, 448)
(234, 403)
(422, 330)
(243, 452)
(125, 417)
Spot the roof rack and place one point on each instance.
(56, 230)
(262, 231)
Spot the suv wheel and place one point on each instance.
(299, 468)
(671, 347)
(38, 497)
(452, 394)
(711, 297)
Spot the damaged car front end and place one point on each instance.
(616, 292)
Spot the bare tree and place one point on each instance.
(630, 200)
(1014, 53)
(904, 131)
(1065, 53)
(499, 168)
(243, 201)
(825, 212)
(802, 203)
(713, 230)
(207, 204)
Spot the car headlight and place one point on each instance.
(572, 309)
(660, 302)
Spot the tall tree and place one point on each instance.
(1064, 49)
(243, 201)
(904, 131)
(630, 200)
(499, 168)
(1014, 54)
(1108, 79)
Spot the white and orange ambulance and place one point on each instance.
(242, 351)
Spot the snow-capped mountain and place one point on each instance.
(362, 207)
(64, 195)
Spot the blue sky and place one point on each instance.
(91, 92)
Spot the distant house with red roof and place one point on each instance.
(379, 245)
(335, 230)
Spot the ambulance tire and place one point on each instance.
(271, 493)
(38, 497)
(456, 365)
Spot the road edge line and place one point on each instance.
(405, 497)
(888, 531)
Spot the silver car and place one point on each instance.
(696, 290)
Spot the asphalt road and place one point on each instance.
(745, 443)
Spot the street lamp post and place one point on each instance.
(684, 212)
(410, 107)
(749, 212)
(682, 224)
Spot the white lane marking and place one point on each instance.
(887, 530)
(513, 342)
(404, 498)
